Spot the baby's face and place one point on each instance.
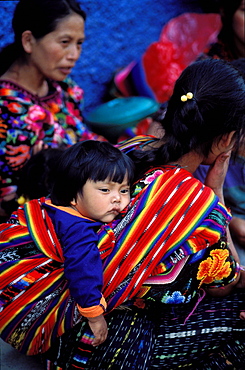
(103, 200)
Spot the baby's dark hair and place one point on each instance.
(88, 160)
(38, 16)
(216, 108)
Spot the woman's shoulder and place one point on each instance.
(217, 50)
(10, 90)
(173, 174)
(70, 87)
(137, 143)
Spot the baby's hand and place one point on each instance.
(98, 326)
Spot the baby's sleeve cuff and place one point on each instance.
(93, 311)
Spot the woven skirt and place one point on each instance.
(166, 337)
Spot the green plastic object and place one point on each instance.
(111, 119)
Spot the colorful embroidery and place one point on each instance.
(175, 298)
(26, 120)
(214, 268)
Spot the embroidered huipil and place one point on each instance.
(26, 120)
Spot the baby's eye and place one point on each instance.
(104, 190)
(125, 191)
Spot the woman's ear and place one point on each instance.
(27, 41)
(227, 141)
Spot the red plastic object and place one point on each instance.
(181, 41)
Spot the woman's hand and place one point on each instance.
(241, 282)
(215, 179)
(224, 290)
(237, 228)
(216, 174)
(98, 326)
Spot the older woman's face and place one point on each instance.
(238, 24)
(54, 55)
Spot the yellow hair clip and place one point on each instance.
(184, 98)
(21, 200)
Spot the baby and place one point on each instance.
(91, 187)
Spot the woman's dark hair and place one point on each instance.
(88, 160)
(228, 9)
(38, 16)
(37, 175)
(239, 64)
(217, 108)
